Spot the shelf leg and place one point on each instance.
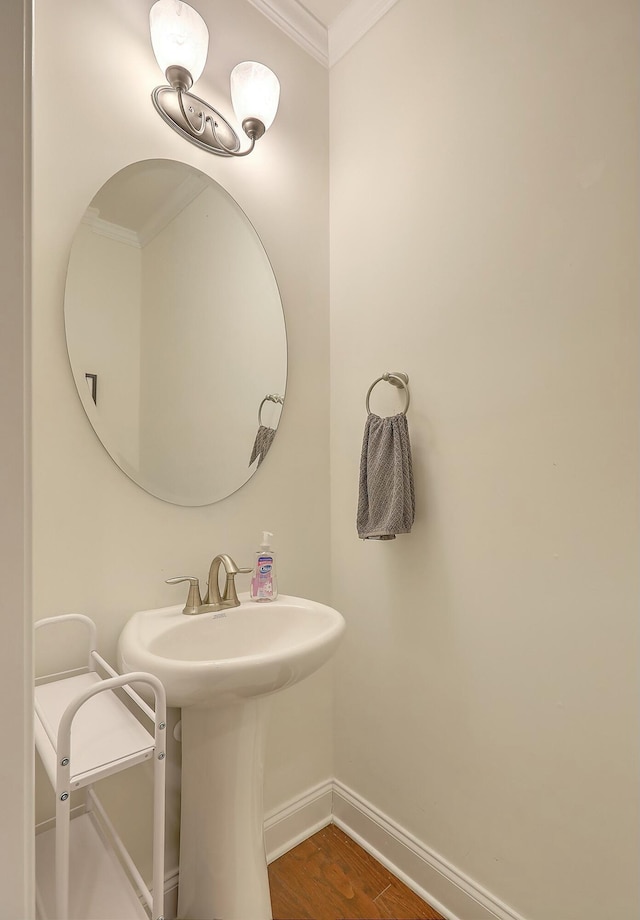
(63, 815)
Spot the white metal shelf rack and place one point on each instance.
(84, 732)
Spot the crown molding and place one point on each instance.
(112, 231)
(299, 24)
(326, 45)
(174, 204)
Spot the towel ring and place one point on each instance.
(272, 397)
(396, 379)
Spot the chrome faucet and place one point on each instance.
(214, 601)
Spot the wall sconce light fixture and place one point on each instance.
(180, 41)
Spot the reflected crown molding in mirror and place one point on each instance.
(112, 231)
(185, 355)
(166, 210)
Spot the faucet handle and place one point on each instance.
(230, 593)
(194, 601)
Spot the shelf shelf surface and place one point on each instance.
(105, 736)
(99, 888)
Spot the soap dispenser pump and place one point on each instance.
(264, 586)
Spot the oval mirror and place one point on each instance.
(175, 332)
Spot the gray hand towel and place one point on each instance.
(262, 443)
(386, 500)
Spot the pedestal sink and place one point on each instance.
(220, 668)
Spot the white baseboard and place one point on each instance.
(303, 816)
(433, 878)
(171, 895)
(284, 828)
(47, 825)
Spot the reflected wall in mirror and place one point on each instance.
(172, 309)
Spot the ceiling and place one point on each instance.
(325, 10)
(326, 29)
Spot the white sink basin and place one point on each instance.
(244, 652)
(219, 667)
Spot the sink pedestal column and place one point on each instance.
(223, 867)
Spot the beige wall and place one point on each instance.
(484, 239)
(16, 765)
(487, 688)
(102, 318)
(103, 546)
(233, 324)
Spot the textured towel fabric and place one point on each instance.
(386, 501)
(262, 443)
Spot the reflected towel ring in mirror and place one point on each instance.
(396, 379)
(272, 397)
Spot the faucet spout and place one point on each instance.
(229, 597)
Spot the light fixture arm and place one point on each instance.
(189, 116)
(234, 153)
(180, 40)
(180, 80)
(203, 118)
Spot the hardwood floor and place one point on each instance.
(330, 877)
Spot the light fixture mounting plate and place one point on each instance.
(223, 141)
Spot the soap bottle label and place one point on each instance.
(262, 587)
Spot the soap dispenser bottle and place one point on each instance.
(264, 586)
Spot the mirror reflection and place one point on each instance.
(175, 332)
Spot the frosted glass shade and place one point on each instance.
(255, 92)
(179, 36)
